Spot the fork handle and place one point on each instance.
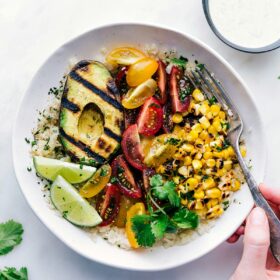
(274, 223)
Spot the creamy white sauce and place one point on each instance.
(247, 23)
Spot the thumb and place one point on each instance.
(256, 243)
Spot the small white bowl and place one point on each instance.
(87, 46)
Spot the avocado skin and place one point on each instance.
(91, 117)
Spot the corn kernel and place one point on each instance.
(212, 202)
(197, 127)
(160, 169)
(235, 185)
(176, 180)
(210, 162)
(198, 155)
(197, 177)
(226, 154)
(183, 170)
(213, 193)
(197, 164)
(192, 183)
(199, 205)
(184, 202)
(204, 109)
(199, 194)
(212, 130)
(204, 122)
(198, 95)
(217, 125)
(192, 136)
(209, 115)
(230, 151)
(218, 154)
(182, 189)
(214, 212)
(221, 172)
(177, 118)
(222, 115)
(188, 148)
(215, 109)
(208, 183)
(227, 165)
(207, 155)
(203, 135)
(243, 150)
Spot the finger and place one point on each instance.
(271, 263)
(271, 194)
(256, 243)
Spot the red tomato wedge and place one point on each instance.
(108, 205)
(161, 79)
(150, 118)
(178, 91)
(124, 178)
(132, 148)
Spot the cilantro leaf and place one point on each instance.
(212, 100)
(181, 61)
(185, 219)
(141, 225)
(156, 180)
(10, 236)
(159, 225)
(10, 273)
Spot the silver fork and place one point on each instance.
(204, 80)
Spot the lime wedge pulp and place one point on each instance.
(71, 205)
(74, 173)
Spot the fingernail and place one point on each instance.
(257, 217)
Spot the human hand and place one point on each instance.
(257, 262)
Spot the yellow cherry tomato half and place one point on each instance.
(136, 209)
(97, 183)
(125, 205)
(141, 71)
(136, 97)
(124, 56)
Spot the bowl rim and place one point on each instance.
(148, 25)
(275, 45)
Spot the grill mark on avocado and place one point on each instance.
(82, 147)
(69, 105)
(75, 76)
(111, 134)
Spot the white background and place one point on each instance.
(32, 29)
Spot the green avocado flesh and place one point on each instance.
(91, 117)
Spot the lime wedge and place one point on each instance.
(71, 205)
(74, 173)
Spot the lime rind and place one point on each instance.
(71, 205)
(74, 173)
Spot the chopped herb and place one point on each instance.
(181, 61)
(103, 172)
(64, 214)
(27, 140)
(29, 169)
(204, 177)
(114, 180)
(33, 143)
(226, 205)
(184, 93)
(10, 236)
(189, 195)
(212, 100)
(46, 147)
(172, 141)
(225, 125)
(200, 66)
(11, 273)
(185, 219)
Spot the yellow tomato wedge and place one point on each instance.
(136, 97)
(160, 150)
(141, 71)
(125, 204)
(97, 183)
(146, 142)
(136, 209)
(124, 56)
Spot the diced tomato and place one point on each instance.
(178, 91)
(125, 179)
(150, 118)
(108, 205)
(132, 148)
(161, 80)
(168, 124)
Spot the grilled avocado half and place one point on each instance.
(91, 116)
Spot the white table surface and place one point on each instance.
(32, 29)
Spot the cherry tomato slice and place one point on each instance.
(132, 148)
(136, 97)
(125, 204)
(150, 118)
(125, 179)
(168, 124)
(97, 183)
(179, 90)
(108, 205)
(124, 56)
(141, 71)
(161, 80)
(136, 209)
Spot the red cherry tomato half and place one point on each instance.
(150, 118)
(108, 205)
(124, 178)
(161, 80)
(179, 90)
(132, 148)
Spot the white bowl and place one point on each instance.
(87, 46)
